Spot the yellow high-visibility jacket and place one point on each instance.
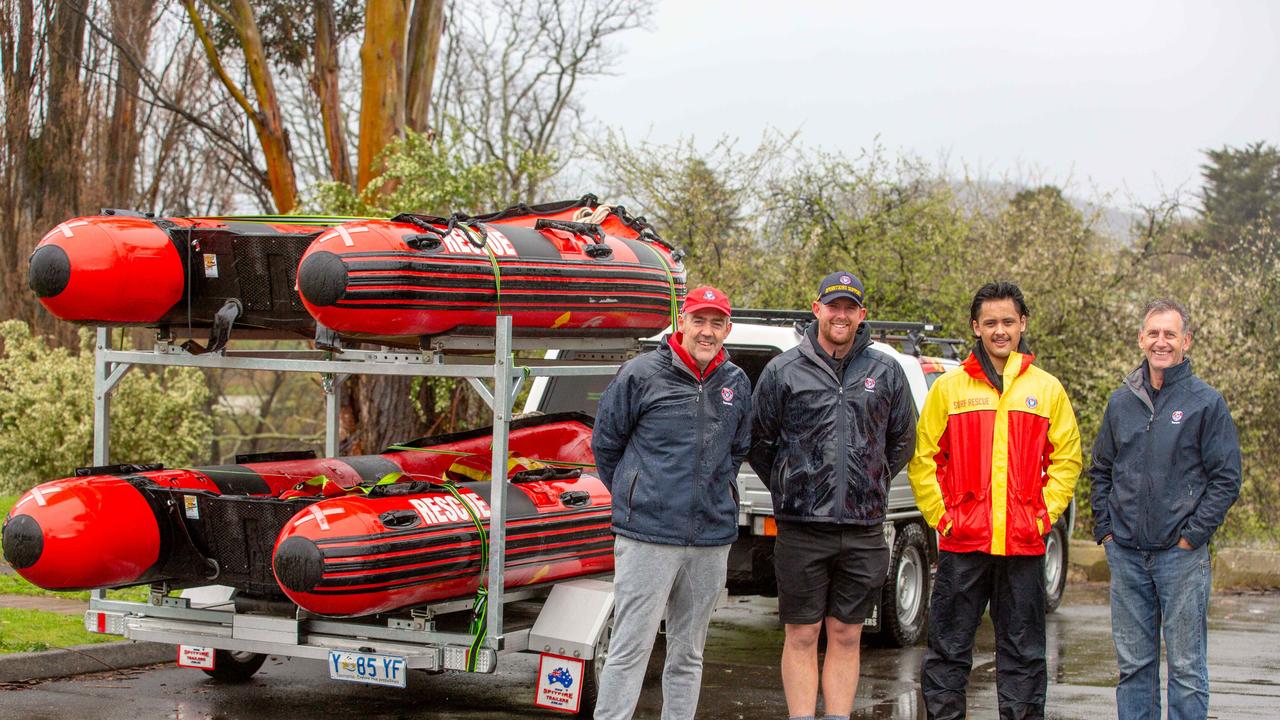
(992, 472)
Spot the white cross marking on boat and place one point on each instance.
(344, 233)
(41, 494)
(66, 227)
(318, 515)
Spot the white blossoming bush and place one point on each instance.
(46, 411)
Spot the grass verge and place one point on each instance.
(36, 630)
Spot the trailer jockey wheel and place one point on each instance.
(235, 667)
(594, 671)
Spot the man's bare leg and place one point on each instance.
(840, 667)
(800, 669)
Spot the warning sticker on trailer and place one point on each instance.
(191, 507)
(191, 656)
(210, 265)
(559, 683)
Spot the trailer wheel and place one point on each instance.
(904, 607)
(594, 670)
(235, 667)
(1055, 566)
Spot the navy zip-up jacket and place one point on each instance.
(827, 447)
(668, 446)
(1164, 469)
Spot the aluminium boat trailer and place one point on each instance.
(567, 622)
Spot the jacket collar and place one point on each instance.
(1015, 366)
(1172, 376)
(682, 358)
(809, 346)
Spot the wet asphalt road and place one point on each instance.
(740, 680)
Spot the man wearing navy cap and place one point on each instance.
(670, 433)
(834, 422)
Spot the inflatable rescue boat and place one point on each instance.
(574, 267)
(341, 536)
(176, 273)
(560, 269)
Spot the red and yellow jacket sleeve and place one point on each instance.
(1063, 458)
(928, 466)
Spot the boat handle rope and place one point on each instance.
(597, 250)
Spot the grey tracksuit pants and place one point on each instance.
(649, 578)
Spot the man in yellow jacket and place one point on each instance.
(996, 462)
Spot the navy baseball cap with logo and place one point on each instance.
(840, 285)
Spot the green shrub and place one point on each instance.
(46, 411)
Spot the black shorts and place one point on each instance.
(828, 570)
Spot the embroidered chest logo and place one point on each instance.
(869, 384)
(726, 394)
(1177, 417)
(1032, 402)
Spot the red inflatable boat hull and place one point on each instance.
(175, 272)
(130, 525)
(553, 276)
(366, 279)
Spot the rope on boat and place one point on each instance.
(592, 217)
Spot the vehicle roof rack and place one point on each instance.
(909, 336)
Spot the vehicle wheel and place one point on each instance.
(593, 670)
(235, 667)
(1055, 567)
(904, 607)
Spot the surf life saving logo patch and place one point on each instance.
(869, 384)
(1032, 402)
(726, 395)
(709, 295)
(1177, 417)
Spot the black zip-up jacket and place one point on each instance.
(828, 447)
(669, 446)
(1166, 469)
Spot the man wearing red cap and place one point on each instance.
(670, 433)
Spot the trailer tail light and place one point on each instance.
(455, 658)
(108, 623)
(766, 526)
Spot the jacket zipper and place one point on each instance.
(697, 463)
(1148, 484)
(842, 454)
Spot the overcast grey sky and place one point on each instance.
(1117, 96)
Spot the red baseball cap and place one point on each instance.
(705, 297)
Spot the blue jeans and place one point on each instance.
(1151, 592)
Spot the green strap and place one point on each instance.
(493, 261)
(671, 286)
(434, 451)
(479, 608)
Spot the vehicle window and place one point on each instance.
(565, 394)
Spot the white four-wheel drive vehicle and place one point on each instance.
(757, 337)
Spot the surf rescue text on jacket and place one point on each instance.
(993, 471)
(1166, 469)
(828, 447)
(668, 446)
